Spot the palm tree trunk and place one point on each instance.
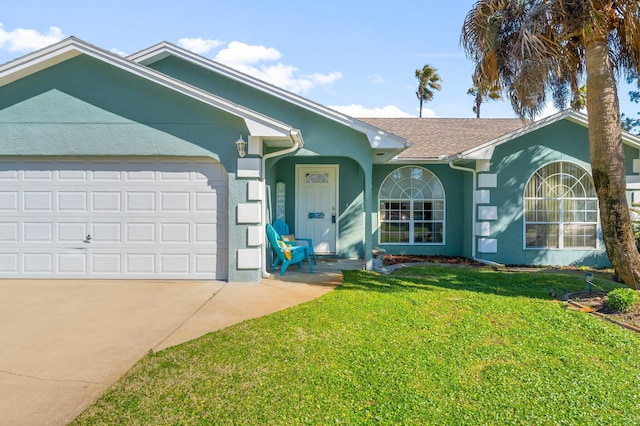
(421, 100)
(607, 160)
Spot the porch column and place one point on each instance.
(368, 213)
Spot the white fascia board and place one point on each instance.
(37, 61)
(71, 47)
(377, 137)
(419, 160)
(485, 151)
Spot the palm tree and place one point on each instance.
(428, 81)
(482, 92)
(579, 102)
(534, 47)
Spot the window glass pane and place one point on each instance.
(391, 232)
(427, 232)
(580, 235)
(558, 196)
(410, 199)
(542, 235)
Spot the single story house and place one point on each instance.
(114, 167)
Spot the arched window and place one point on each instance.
(560, 208)
(411, 207)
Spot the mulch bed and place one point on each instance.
(393, 259)
(596, 302)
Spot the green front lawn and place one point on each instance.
(420, 346)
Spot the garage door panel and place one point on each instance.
(174, 202)
(38, 201)
(72, 175)
(106, 201)
(106, 232)
(38, 263)
(143, 174)
(106, 263)
(72, 232)
(9, 201)
(72, 263)
(9, 232)
(9, 263)
(206, 263)
(140, 263)
(106, 173)
(141, 201)
(37, 174)
(145, 219)
(72, 201)
(175, 233)
(7, 172)
(37, 232)
(174, 263)
(206, 202)
(206, 232)
(174, 172)
(141, 232)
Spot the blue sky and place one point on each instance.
(359, 57)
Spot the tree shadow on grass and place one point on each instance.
(539, 285)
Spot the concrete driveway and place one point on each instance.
(64, 342)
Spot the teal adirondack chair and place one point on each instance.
(282, 228)
(296, 253)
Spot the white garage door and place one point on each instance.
(113, 219)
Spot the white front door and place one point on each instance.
(317, 206)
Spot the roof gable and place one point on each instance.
(485, 151)
(258, 124)
(378, 138)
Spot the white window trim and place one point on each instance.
(411, 227)
(560, 227)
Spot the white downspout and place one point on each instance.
(297, 144)
(473, 218)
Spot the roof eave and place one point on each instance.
(377, 137)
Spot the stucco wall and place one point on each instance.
(514, 163)
(457, 212)
(350, 202)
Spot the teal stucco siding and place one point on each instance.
(350, 209)
(457, 188)
(514, 163)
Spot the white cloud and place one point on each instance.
(24, 40)
(261, 62)
(239, 53)
(325, 78)
(389, 111)
(199, 45)
(250, 59)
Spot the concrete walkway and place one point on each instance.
(64, 342)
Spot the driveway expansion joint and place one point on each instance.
(184, 321)
(42, 379)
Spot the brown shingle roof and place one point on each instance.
(434, 137)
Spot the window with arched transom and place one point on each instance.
(560, 208)
(412, 207)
